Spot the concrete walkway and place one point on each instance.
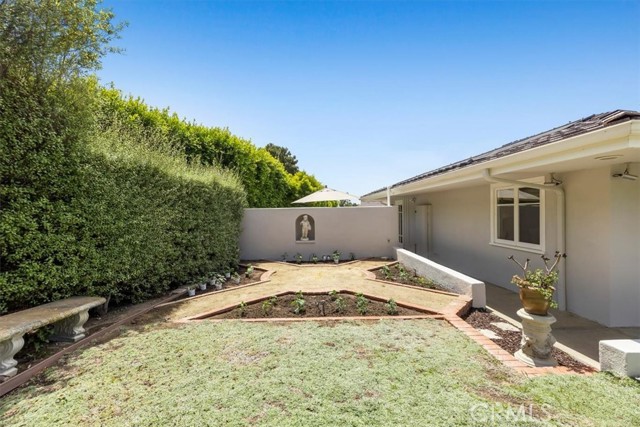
(314, 278)
(574, 334)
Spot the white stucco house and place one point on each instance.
(573, 189)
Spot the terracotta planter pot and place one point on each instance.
(534, 302)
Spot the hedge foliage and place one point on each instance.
(265, 179)
(113, 212)
(105, 196)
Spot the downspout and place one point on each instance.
(560, 234)
(388, 196)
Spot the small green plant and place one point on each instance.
(392, 307)
(267, 307)
(333, 295)
(298, 258)
(402, 273)
(386, 271)
(299, 304)
(352, 256)
(284, 257)
(341, 304)
(242, 307)
(362, 304)
(336, 256)
(249, 271)
(314, 258)
(273, 300)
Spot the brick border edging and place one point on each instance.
(504, 356)
(317, 319)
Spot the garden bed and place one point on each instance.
(510, 340)
(339, 304)
(398, 273)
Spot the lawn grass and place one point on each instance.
(386, 373)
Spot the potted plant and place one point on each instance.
(336, 256)
(236, 278)
(298, 258)
(203, 284)
(537, 287)
(314, 258)
(191, 290)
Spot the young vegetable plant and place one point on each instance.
(243, 309)
(392, 307)
(249, 271)
(298, 258)
(267, 307)
(341, 304)
(362, 304)
(386, 271)
(333, 295)
(298, 303)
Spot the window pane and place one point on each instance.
(528, 195)
(505, 196)
(505, 222)
(529, 227)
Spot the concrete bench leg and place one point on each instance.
(70, 329)
(8, 349)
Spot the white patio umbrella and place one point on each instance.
(327, 195)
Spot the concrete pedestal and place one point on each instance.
(537, 340)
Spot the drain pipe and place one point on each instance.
(388, 196)
(560, 220)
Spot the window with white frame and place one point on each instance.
(518, 217)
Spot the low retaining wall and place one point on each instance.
(444, 276)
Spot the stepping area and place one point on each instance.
(351, 277)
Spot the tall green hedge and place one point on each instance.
(264, 178)
(112, 212)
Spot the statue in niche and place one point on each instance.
(305, 227)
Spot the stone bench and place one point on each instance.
(67, 316)
(621, 357)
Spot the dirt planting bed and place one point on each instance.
(398, 273)
(317, 305)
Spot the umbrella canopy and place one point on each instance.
(326, 195)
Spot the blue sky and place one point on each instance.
(366, 94)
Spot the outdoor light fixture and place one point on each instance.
(552, 181)
(625, 174)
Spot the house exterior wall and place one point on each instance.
(588, 229)
(624, 304)
(603, 242)
(602, 223)
(365, 231)
(460, 239)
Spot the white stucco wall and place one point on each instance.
(365, 231)
(460, 224)
(602, 241)
(588, 243)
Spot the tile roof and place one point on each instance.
(571, 129)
